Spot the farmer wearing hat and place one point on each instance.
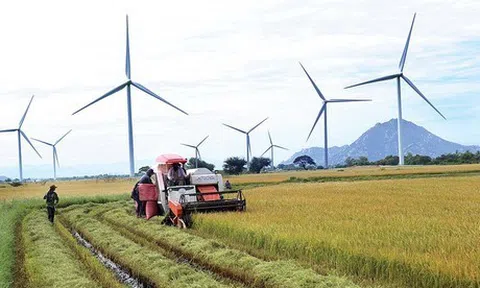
(52, 200)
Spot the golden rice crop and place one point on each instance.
(422, 232)
(68, 188)
(352, 172)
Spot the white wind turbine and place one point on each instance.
(20, 134)
(55, 154)
(247, 133)
(399, 76)
(323, 110)
(271, 149)
(128, 84)
(197, 152)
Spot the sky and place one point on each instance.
(233, 62)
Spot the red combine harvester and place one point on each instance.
(202, 192)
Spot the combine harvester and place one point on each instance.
(203, 192)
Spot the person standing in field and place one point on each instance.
(228, 185)
(146, 179)
(52, 200)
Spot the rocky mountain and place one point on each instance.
(381, 140)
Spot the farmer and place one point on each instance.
(176, 175)
(228, 185)
(52, 200)
(146, 179)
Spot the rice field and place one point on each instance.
(401, 232)
(365, 171)
(81, 188)
(419, 232)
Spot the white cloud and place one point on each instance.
(234, 62)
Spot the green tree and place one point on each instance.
(143, 169)
(390, 160)
(258, 163)
(201, 164)
(234, 165)
(303, 161)
(362, 161)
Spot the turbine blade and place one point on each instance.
(241, 131)
(63, 137)
(8, 130)
(56, 156)
(375, 80)
(127, 57)
(421, 95)
(28, 140)
(316, 120)
(191, 146)
(199, 156)
(405, 50)
(347, 100)
(114, 90)
(280, 147)
(46, 143)
(313, 83)
(25, 114)
(146, 90)
(250, 148)
(270, 137)
(202, 141)
(266, 150)
(258, 125)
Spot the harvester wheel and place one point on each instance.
(187, 219)
(181, 224)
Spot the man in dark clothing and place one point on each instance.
(52, 200)
(146, 178)
(135, 193)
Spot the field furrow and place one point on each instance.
(49, 261)
(144, 262)
(218, 258)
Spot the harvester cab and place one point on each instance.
(203, 191)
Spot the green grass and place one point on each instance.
(48, 261)
(219, 258)
(12, 212)
(141, 260)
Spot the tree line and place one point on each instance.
(410, 159)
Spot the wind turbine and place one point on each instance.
(271, 149)
(249, 147)
(399, 76)
(323, 110)
(197, 152)
(55, 154)
(20, 134)
(128, 84)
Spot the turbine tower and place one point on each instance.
(128, 84)
(55, 154)
(399, 76)
(249, 147)
(323, 110)
(20, 134)
(197, 152)
(271, 149)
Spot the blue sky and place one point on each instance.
(228, 62)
